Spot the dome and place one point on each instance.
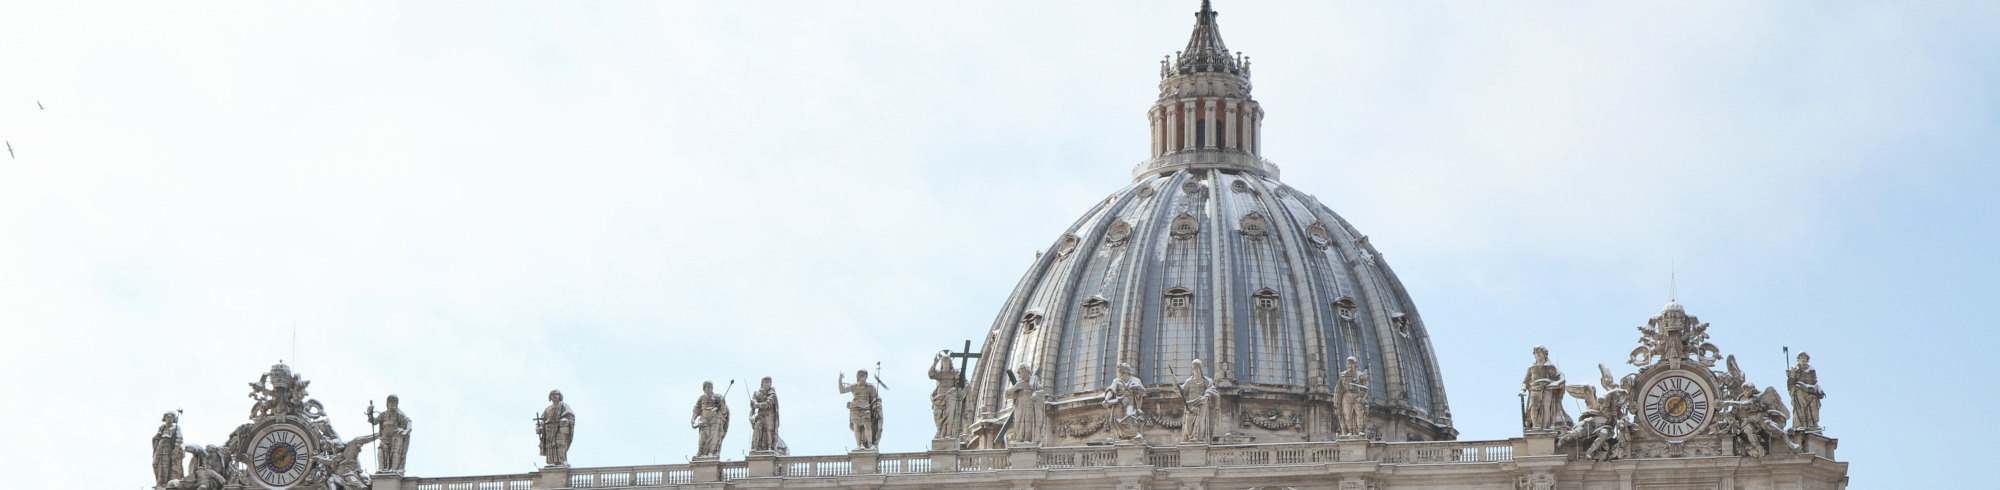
(1208, 256)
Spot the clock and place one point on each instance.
(1676, 405)
(280, 456)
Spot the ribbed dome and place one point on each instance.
(1206, 255)
(1260, 281)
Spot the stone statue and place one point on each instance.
(710, 420)
(764, 420)
(1806, 394)
(1198, 396)
(1352, 394)
(947, 399)
(864, 412)
(167, 453)
(556, 426)
(1542, 396)
(1604, 425)
(1756, 418)
(1121, 401)
(392, 430)
(207, 469)
(345, 464)
(1031, 408)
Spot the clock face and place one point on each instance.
(1677, 405)
(281, 456)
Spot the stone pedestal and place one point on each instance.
(387, 480)
(944, 455)
(944, 444)
(865, 461)
(1193, 455)
(551, 477)
(761, 463)
(1352, 447)
(1130, 453)
(706, 468)
(1539, 444)
(1816, 444)
(1023, 455)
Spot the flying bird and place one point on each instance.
(38, 105)
(10, 150)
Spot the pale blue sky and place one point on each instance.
(470, 203)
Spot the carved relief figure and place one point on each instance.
(556, 426)
(764, 420)
(1199, 396)
(1604, 424)
(345, 464)
(1121, 402)
(1351, 394)
(947, 398)
(392, 430)
(1756, 418)
(167, 453)
(1542, 396)
(1806, 394)
(710, 420)
(206, 469)
(864, 412)
(1031, 408)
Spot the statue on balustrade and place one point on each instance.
(1542, 396)
(1198, 396)
(764, 420)
(344, 463)
(1122, 402)
(1351, 393)
(556, 426)
(1806, 394)
(948, 398)
(167, 453)
(392, 431)
(864, 412)
(1757, 419)
(1031, 409)
(710, 420)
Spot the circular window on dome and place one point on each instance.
(1254, 226)
(1319, 236)
(1185, 226)
(1119, 232)
(1145, 192)
(1068, 245)
(1239, 186)
(1191, 186)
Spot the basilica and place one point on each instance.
(1204, 326)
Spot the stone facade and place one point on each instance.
(1306, 367)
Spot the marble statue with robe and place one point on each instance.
(1031, 409)
(764, 420)
(392, 435)
(556, 427)
(1122, 404)
(167, 453)
(1542, 396)
(947, 399)
(1351, 394)
(1198, 394)
(710, 420)
(1806, 394)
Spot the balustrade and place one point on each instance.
(1076, 457)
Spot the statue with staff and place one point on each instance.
(392, 433)
(864, 411)
(556, 427)
(710, 419)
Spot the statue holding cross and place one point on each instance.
(948, 398)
